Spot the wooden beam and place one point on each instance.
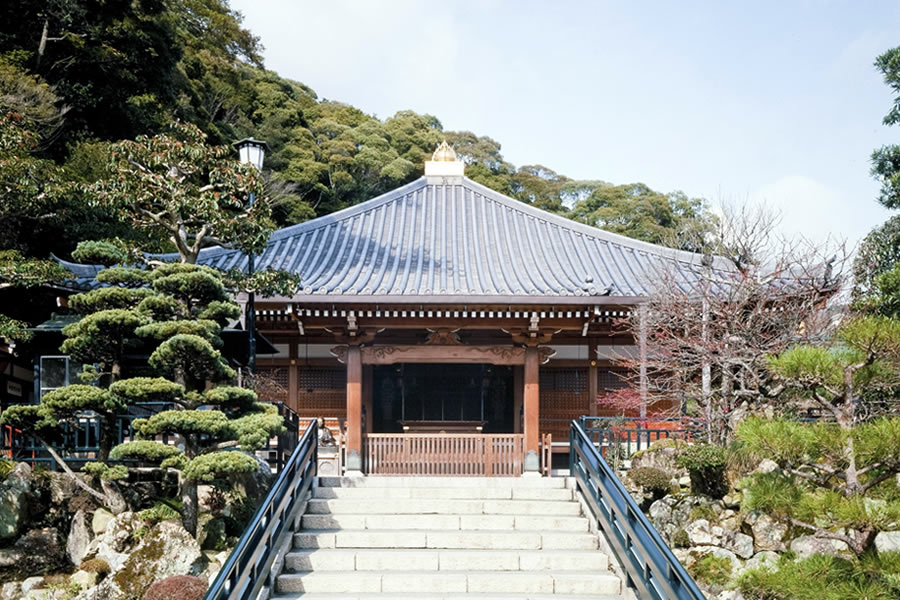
(354, 410)
(531, 400)
(494, 355)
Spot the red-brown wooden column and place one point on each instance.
(354, 411)
(532, 404)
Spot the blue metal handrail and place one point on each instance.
(650, 566)
(250, 563)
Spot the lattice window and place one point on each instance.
(573, 381)
(322, 378)
(322, 392)
(612, 379)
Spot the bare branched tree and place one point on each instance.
(750, 296)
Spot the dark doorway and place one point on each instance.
(439, 392)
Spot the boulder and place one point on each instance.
(699, 532)
(166, 550)
(113, 544)
(807, 545)
(662, 454)
(768, 534)
(11, 591)
(739, 543)
(14, 501)
(888, 541)
(661, 512)
(100, 520)
(767, 465)
(9, 557)
(84, 579)
(733, 500)
(31, 583)
(763, 560)
(41, 550)
(79, 538)
(697, 552)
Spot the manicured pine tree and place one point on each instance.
(838, 476)
(211, 418)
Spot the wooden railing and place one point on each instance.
(475, 454)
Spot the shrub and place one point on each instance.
(653, 480)
(823, 577)
(104, 471)
(182, 587)
(705, 464)
(158, 512)
(712, 570)
(681, 539)
(6, 467)
(703, 511)
(96, 565)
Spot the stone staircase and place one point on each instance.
(421, 537)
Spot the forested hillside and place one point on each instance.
(78, 75)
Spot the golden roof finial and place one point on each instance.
(444, 153)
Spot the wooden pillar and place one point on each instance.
(293, 399)
(532, 403)
(368, 384)
(642, 347)
(518, 392)
(354, 411)
(593, 383)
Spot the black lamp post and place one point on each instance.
(252, 152)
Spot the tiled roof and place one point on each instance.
(449, 238)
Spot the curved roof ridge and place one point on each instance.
(596, 232)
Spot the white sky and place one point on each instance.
(774, 102)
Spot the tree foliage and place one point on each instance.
(831, 471)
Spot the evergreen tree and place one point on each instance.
(838, 476)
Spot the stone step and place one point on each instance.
(444, 560)
(439, 596)
(476, 540)
(446, 522)
(444, 482)
(423, 506)
(476, 493)
(447, 582)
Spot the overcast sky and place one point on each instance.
(734, 102)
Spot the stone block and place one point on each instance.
(380, 539)
(484, 540)
(397, 560)
(423, 583)
(563, 561)
(586, 583)
(510, 583)
(479, 560)
(551, 523)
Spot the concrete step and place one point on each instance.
(438, 493)
(347, 560)
(444, 482)
(423, 506)
(476, 540)
(446, 522)
(446, 582)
